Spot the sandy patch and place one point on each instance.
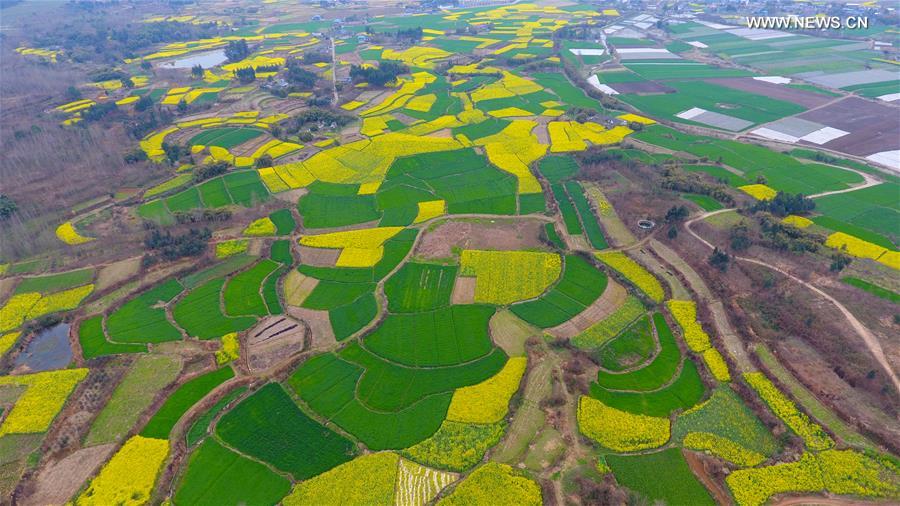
(117, 272)
(58, 482)
(510, 333)
(297, 287)
(273, 341)
(494, 234)
(322, 336)
(319, 257)
(463, 291)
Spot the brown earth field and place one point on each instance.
(641, 87)
(873, 127)
(494, 234)
(777, 91)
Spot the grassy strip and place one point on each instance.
(875, 290)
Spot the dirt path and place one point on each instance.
(869, 339)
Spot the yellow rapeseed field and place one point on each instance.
(797, 221)
(128, 478)
(685, 313)
(430, 209)
(619, 430)
(758, 191)
(635, 273)
(67, 234)
(503, 277)
(44, 396)
(488, 401)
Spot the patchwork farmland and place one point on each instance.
(487, 252)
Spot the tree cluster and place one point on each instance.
(784, 204)
(208, 171)
(384, 73)
(237, 50)
(172, 247)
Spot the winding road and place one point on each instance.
(867, 336)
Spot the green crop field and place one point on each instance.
(634, 346)
(94, 344)
(242, 295)
(55, 282)
(224, 137)
(182, 399)
(588, 219)
(441, 337)
(268, 426)
(199, 313)
(217, 475)
(649, 376)
(579, 287)
(145, 378)
(199, 430)
(420, 287)
(140, 320)
(682, 393)
(642, 473)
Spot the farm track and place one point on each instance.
(869, 340)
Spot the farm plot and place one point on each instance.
(874, 209)
(647, 376)
(872, 126)
(420, 287)
(243, 292)
(227, 138)
(442, 337)
(729, 102)
(330, 205)
(804, 98)
(463, 179)
(144, 380)
(725, 415)
(54, 282)
(682, 393)
(359, 392)
(504, 277)
(588, 219)
(199, 313)
(270, 427)
(182, 399)
(94, 344)
(579, 287)
(141, 320)
(677, 485)
(242, 188)
(783, 172)
(634, 346)
(216, 475)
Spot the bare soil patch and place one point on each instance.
(117, 272)
(297, 287)
(642, 88)
(805, 98)
(273, 341)
(319, 257)
(58, 482)
(321, 334)
(463, 290)
(494, 234)
(873, 127)
(613, 298)
(509, 332)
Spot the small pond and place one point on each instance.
(207, 60)
(48, 350)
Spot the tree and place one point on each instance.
(182, 105)
(676, 214)
(719, 259)
(236, 50)
(300, 77)
(385, 72)
(197, 71)
(7, 207)
(740, 237)
(143, 103)
(72, 94)
(264, 161)
(127, 82)
(245, 75)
